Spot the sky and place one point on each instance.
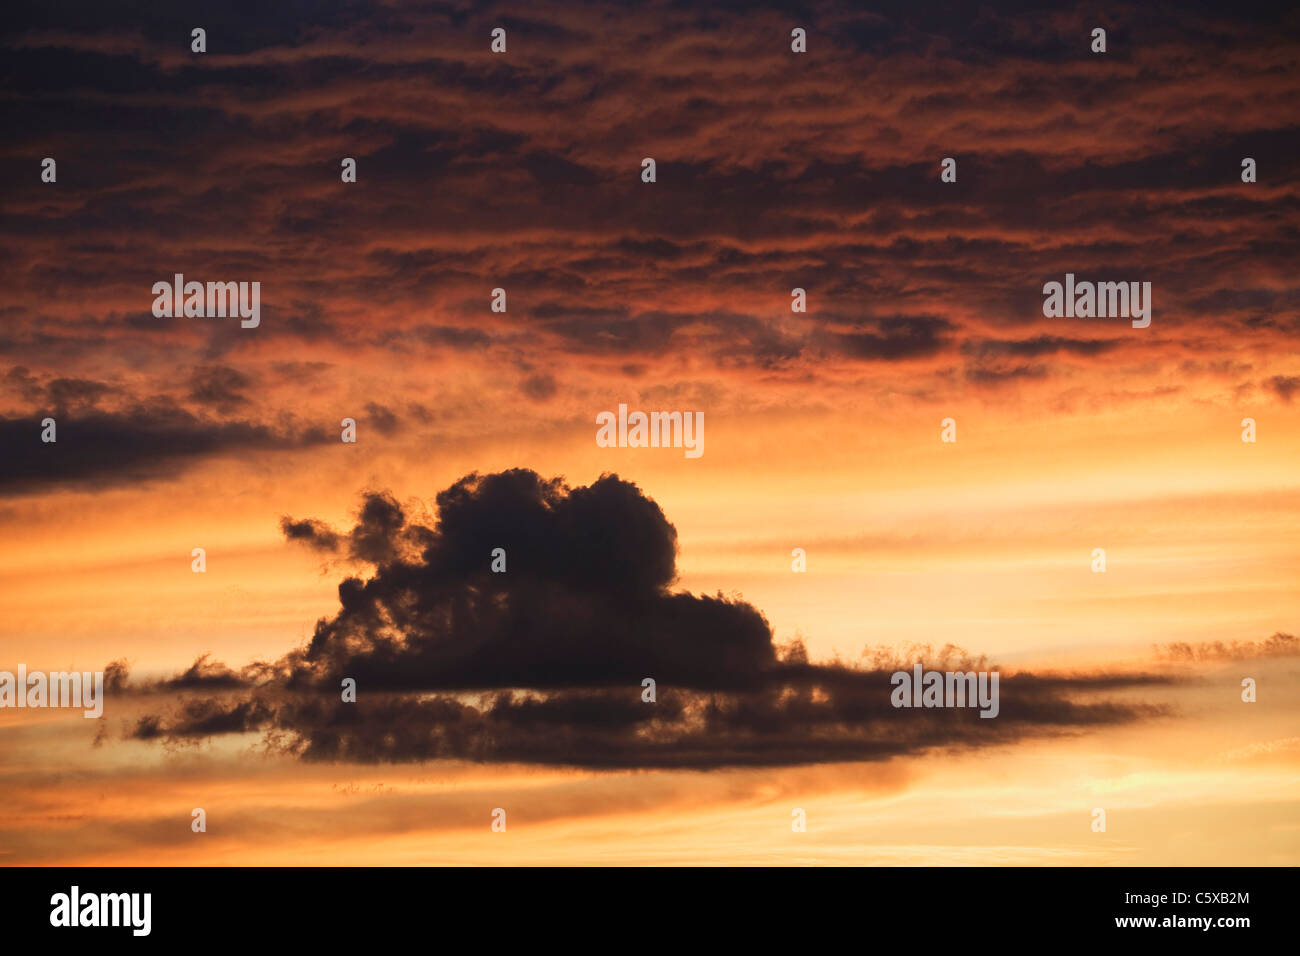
(521, 690)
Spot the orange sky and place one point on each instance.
(822, 429)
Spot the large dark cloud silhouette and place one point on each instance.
(583, 600)
(544, 662)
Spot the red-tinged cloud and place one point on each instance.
(775, 171)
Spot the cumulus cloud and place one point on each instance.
(544, 661)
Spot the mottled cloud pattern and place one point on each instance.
(521, 171)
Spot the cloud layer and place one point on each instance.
(522, 171)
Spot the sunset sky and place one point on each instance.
(775, 170)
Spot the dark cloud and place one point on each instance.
(992, 376)
(220, 387)
(141, 443)
(73, 393)
(544, 661)
(438, 336)
(810, 715)
(539, 387)
(385, 422)
(1279, 645)
(59, 395)
(315, 534)
(550, 171)
(299, 371)
(204, 674)
(381, 533)
(20, 378)
(894, 338)
(1285, 385)
(205, 717)
(1035, 347)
